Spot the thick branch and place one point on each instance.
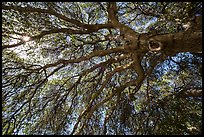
(98, 53)
(43, 33)
(190, 92)
(57, 30)
(51, 12)
(60, 16)
(108, 78)
(180, 42)
(128, 33)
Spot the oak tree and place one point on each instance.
(101, 68)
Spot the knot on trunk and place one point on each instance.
(155, 45)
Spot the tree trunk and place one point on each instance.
(180, 42)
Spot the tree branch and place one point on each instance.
(48, 11)
(60, 16)
(180, 42)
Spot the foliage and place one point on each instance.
(75, 76)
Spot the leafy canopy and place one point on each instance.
(65, 69)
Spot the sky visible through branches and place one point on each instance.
(101, 68)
